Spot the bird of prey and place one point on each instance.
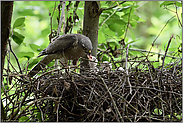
(65, 47)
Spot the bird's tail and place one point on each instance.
(40, 65)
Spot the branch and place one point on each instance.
(50, 36)
(107, 18)
(127, 24)
(111, 98)
(160, 33)
(15, 56)
(103, 9)
(61, 18)
(126, 65)
(20, 106)
(165, 55)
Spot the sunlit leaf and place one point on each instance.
(35, 47)
(167, 3)
(25, 54)
(19, 22)
(101, 37)
(23, 119)
(116, 28)
(132, 34)
(158, 111)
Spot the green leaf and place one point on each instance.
(25, 54)
(133, 23)
(158, 111)
(26, 12)
(113, 43)
(116, 28)
(130, 42)
(39, 116)
(179, 116)
(178, 3)
(35, 47)
(18, 38)
(19, 22)
(105, 58)
(167, 3)
(101, 36)
(132, 34)
(115, 18)
(141, 20)
(45, 32)
(135, 17)
(21, 27)
(23, 119)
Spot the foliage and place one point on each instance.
(143, 29)
(145, 26)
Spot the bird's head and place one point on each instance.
(88, 52)
(86, 45)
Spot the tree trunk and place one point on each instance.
(6, 14)
(90, 25)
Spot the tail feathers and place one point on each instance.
(40, 65)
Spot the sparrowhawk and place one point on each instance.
(65, 47)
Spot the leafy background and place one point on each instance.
(31, 26)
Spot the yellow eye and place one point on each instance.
(89, 51)
(84, 48)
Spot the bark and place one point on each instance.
(6, 14)
(92, 12)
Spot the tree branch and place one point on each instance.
(103, 9)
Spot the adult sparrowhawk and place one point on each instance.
(65, 47)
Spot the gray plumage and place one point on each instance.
(65, 47)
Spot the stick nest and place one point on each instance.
(139, 93)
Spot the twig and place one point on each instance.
(61, 18)
(103, 9)
(126, 66)
(127, 24)
(107, 18)
(19, 107)
(159, 34)
(175, 13)
(15, 56)
(141, 50)
(115, 106)
(148, 88)
(58, 103)
(74, 14)
(53, 98)
(165, 55)
(127, 102)
(54, 71)
(42, 118)
(178, 17)
(50, 37)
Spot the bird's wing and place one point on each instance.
(60, 44)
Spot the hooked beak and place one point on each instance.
(89, 55)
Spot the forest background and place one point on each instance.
(149, 20)
(142, 25)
